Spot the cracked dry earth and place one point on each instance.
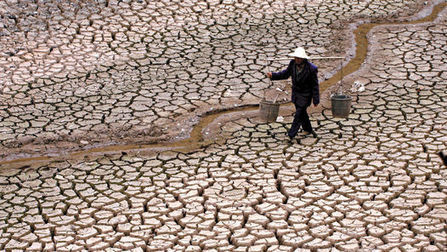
(78, 74)
(372, 181)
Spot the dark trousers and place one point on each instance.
(301, 119)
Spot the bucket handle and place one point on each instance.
(340, 86)
(271, 83)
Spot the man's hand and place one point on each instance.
(269, 75)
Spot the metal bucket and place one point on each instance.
(341, 105)
(268, 110)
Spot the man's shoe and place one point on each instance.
(290, 140)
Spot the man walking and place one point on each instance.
(305, 89)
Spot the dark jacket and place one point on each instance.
(305, 90)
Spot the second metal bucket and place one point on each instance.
(341, 105)
(268, 110)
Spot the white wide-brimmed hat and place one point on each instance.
(299, 53)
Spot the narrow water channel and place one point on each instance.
(195, 140)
